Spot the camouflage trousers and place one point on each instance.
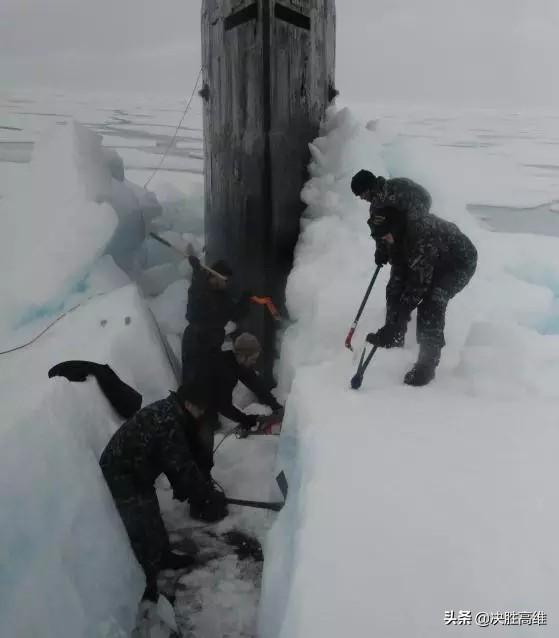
(431, 312)
(148, 537)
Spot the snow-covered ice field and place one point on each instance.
(405, 504)
(415, 505)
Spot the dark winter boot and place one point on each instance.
(400, 340)
(423, 372)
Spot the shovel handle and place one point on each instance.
(188, 253)
(274, 507)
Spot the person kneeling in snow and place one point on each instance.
(210, 307)
(432, 261)
(237, 365)
(153, 442)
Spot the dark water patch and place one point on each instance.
(509, 137)
(171, 126)
(537, 220)
(134, 115)
(121, 120)
(432, 120)
(160, 140)
(195, 147)
(42, 114)
(10, 128)
(422, 136)
(137, 133)
(166, 110)
(16, 152)
(13, 100)
(191, 146)
(158, 125)
(147, 169)
(547, 167)
(471, 144)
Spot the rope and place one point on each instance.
(176, 130)
(50, 325)
(231, 431)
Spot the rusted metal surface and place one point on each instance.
(268, 69)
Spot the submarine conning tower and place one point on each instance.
(268, 76)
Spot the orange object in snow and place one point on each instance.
(267, 301)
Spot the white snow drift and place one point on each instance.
(66, 565)
(406, 503)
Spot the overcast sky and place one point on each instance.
(469, 51)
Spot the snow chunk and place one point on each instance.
(54, 230)
(67, 566)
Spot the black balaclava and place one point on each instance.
(387, 220)
(363, 181)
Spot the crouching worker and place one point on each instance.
(153, 442)
(238, 365)
(431, 259)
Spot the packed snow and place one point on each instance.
(43, 225)
(67, 568)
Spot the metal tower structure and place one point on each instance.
(268, 76)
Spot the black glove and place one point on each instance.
(249, 421)
(278, 412)
(194, 262)
(387, 336)
(381, 255)
(245, 426)
(212, 507)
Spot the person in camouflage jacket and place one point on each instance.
(431, 259)
(155, 441)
